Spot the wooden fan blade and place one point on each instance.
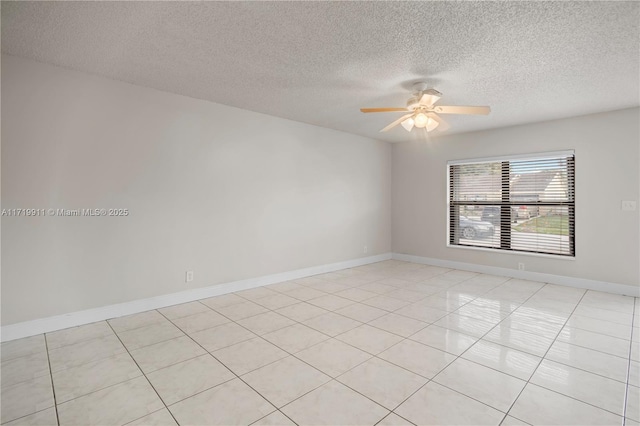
(395, 123)
(475, 110)
(442, 125)
(382, 109)
(428, 99)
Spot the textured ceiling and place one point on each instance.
(319, 62)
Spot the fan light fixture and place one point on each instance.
(408, 124)
(421, 120)
(423, 114)
(431, 124)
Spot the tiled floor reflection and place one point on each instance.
(391, 343)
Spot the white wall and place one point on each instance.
(229, 193)
(607, 171)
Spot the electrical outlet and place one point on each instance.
(628, 205)
(366, 249)
(188, 276)
(521, 266)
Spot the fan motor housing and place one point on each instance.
(413, 102)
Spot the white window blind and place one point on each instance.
(524, 204)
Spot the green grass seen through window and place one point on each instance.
(556, 225)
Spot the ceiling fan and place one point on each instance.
(423, 113)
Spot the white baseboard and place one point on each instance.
(607, 287)
(73, 319)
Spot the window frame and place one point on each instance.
(503, 159)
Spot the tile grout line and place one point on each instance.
(575, 398)
(108, 357)
(144, 375)
(275, 311)
(583, 347)
(371, 356)
(93, 391)
(53, 386)
(361, 323)
(568, 343)
(626, 390)
(406, 338)
(386, 313)
(230, 370)
(545, 357)
(431, 379)
(305, 362)
(84, 363)
(539, 356)
(590, 316)
(208, 307)
(293, 355)
(143, 326)
(145, 347)
(397, 343)
(579, 368)
(394, 414)
(463, 352)
(482, 337)
(602, 334)
(151, 413)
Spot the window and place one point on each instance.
(520, 203)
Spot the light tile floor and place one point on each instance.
(391, 343)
